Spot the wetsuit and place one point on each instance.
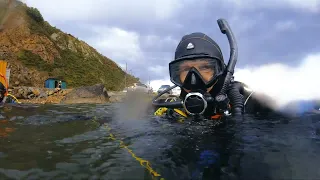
(252, 103)
(9, 99)
(4, 97)
(255, 103)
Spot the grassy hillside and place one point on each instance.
(30, 44)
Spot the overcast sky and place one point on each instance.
(144, 33)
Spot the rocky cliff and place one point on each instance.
(35, 51)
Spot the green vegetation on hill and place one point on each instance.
(79, 65)
(35, 14)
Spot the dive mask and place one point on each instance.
(197, 74)
(195, 79)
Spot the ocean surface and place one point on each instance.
(125, 141)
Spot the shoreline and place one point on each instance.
(35, 95)
(96, 94)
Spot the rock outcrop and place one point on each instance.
(34, 92)
(87, 94)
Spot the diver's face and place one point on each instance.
(203, 66)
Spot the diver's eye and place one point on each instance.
(205, 68)
(185, 69)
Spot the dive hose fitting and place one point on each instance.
(237, 99)
(195, 103)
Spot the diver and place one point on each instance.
(5, 97)
(207, 84)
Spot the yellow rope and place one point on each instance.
(14, 98)
(146, 164)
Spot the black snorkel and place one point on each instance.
(201, 100)
(221, 99)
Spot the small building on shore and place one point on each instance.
(55, 83)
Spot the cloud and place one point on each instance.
(285, 25)
(159, 43)
(157, 69)
(146, 56)
(307, 5)
(282, 82)
(117, 43)
(86, 10)
(155, 10)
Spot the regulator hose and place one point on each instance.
(236, 98)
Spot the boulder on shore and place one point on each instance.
(88, 94)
